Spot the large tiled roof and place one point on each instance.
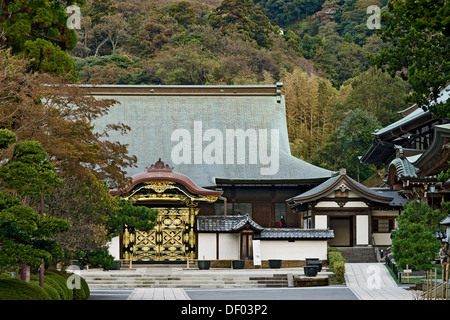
(154, 113)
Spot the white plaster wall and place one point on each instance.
(382, 239)
(355, 204)
(298, 250)
(207, 246)
(114, 247)
(362, 230)
(327, 204)
(321, 222)
(229, 246)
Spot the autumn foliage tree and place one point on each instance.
(42, 108)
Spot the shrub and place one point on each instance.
(98, 258)
(78, 294)
(337, 264)
(60, 281)
(52, 292)
(83, 293)
(49, 286)
(15, 289)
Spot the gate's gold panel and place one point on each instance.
(169, 240)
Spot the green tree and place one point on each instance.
(245, 18)
(418, 31)
(183, 13)
(25, 237)
(415, 243)
(378, 93)
(28, 172)
(349, 141)
(37, 29)
(24, 234)
(139, 217)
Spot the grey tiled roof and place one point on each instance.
(404, 168)
(225, 223)
(445, 221)
(294, 233)
(154, 118)
(398, 197)
(418, 113)
(237, 223)
(325, 188)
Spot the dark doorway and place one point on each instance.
(342, 227)
(247, 245)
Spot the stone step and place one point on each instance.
(358, 254)
(195, 280)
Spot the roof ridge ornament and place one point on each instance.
(159, 165)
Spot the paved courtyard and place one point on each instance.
(364, 281)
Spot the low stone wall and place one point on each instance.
(311, 281)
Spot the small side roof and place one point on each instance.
(238, 223)
(295, 234)
(226, 223)
(330, 185)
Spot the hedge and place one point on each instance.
(15, 289)
(55, 288)
(78, 294)
(337, 264)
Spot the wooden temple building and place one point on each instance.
(414, 150)
(227, 159)
(215, 162)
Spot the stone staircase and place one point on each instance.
(199, 279)
(359, 254)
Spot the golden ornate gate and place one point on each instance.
(172, 239)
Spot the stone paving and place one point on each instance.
(372, 281)
(367, 281)
(158, 294)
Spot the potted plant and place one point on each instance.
(310, 271)
(238, 264)
(275, 264)
(204, 264)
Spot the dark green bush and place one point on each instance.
(98, 258)
(337, 264)
(15, 289)
(60, 281)
(55, 288)
(78, 294)
(49, 286)
(83, 293)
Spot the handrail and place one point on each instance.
(377, 250)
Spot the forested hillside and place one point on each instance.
(318, 49)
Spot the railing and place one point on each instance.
(393, 266)
(377, 250)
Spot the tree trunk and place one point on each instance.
(24, 272)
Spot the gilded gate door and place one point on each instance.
(170, 240)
